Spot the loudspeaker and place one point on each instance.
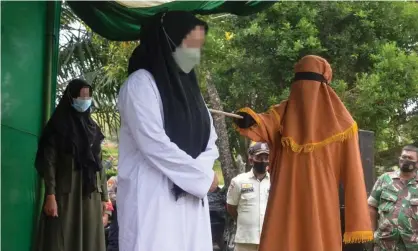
(366, 141)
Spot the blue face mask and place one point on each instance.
(81, 105)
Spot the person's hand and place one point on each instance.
(104, 206)
(214, 185)
(50, 207)
(368, 246)
(246, 122)
(105, 219)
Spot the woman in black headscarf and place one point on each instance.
(69, 161)
(167, 141)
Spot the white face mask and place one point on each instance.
(186, 58)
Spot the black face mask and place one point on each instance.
(260, 167)
(408, 165)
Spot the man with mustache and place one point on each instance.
(393, 205)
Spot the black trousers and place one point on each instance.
(113, 237)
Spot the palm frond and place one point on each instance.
(102, 63)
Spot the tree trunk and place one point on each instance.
(229, 169)
(241, 166)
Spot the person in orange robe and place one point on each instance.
(313, 143)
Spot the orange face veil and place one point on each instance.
(314, 116)
(314, 130)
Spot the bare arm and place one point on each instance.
(233, 198)
(373, 217)
(232, 210)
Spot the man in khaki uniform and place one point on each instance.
(247, 199)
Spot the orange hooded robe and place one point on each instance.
(313, 144)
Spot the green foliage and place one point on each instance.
(110, 152)
(110, 173)
(101, 62)
(108, 79)
(372, 47)
(218, 171)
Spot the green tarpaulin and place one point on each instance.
(121, 21)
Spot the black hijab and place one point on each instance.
(186, 118)
(75, 133)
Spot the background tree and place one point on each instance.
(101, 62)
(373, 56)
(248, 61)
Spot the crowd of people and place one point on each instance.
(303, 149)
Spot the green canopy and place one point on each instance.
(121, 20)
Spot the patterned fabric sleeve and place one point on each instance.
(375, 194)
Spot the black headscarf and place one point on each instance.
(186, 118)
(75, 133)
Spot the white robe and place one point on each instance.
(150, 219)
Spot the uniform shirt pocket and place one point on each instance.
(247, 200)
(387, 201)
(414, 207)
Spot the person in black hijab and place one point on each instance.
(167, 141)
(69, 161)
(161, 52)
